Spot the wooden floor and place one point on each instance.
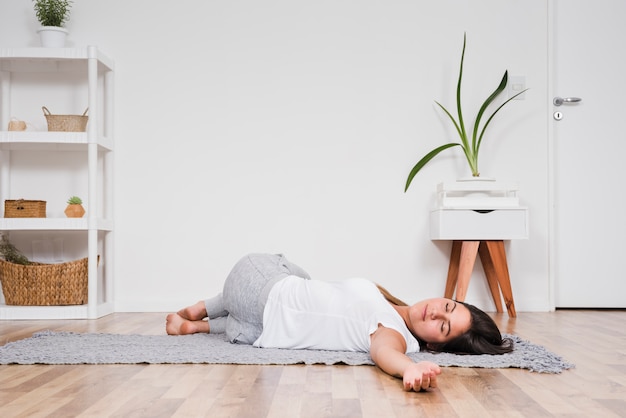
(594, 340)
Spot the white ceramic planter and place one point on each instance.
(52, 36)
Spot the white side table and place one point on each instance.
(480, 232)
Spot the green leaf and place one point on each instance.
(458, 95)
(421, 163)
(493, 114)
(456, 125)
(490, 99)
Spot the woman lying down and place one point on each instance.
(267, 301)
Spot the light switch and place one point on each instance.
(516, 84)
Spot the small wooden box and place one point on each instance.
(24, 208)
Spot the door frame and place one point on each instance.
(552, 251)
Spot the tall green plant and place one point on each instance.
(53, 12)
(470, 148)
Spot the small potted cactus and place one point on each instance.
(74, 207)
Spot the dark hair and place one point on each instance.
(483, 337)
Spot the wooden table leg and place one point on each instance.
(453, 269)
(491, 275)
(493, 258)
(462, 261)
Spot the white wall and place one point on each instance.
(285, 126)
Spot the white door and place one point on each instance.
(589, 144)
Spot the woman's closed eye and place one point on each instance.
(445, 326)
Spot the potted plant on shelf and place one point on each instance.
(74, 207)
(52, 14)
(469, 145)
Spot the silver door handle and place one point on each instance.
(558, 101)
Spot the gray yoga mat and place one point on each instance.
(50, 347)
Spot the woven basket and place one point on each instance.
(24, 208)
(44, 284)
(66, 123)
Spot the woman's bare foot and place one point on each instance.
(177, 325)
(194, 312)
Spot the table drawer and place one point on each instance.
(468, 224)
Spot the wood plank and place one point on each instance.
(592, 339)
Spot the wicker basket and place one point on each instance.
(66, 123)
(44, 284)
(24, 208)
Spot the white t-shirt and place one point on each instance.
(314, 314)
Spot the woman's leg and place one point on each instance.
(245, 293)
(178, 325)
(238, 311)
(218, 325)
(190, 320)
(209, 308)
(214, 307)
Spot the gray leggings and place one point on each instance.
(238, 310)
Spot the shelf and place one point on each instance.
(11, 312)
(53, 68)
(51, 59)
(54, 224)
(478, 184)
(477, 194)
(50, 141)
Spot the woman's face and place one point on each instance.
(439, 320)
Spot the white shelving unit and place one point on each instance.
(35, 70)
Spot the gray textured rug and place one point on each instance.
(49, 347)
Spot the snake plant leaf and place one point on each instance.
(462, 132)
(456, 125)
(490, 99)
(480, 138)
(425, 159)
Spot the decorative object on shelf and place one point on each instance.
(470, 149)
(66, 123)
(22, 208)
(10, 253)
(52, 14)
(17, 125)
(74, 207)
(40, 284)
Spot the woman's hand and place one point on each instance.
(388, 352)
(421, 376)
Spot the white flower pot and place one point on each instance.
(52, 36)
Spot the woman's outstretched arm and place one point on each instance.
(387, 350)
